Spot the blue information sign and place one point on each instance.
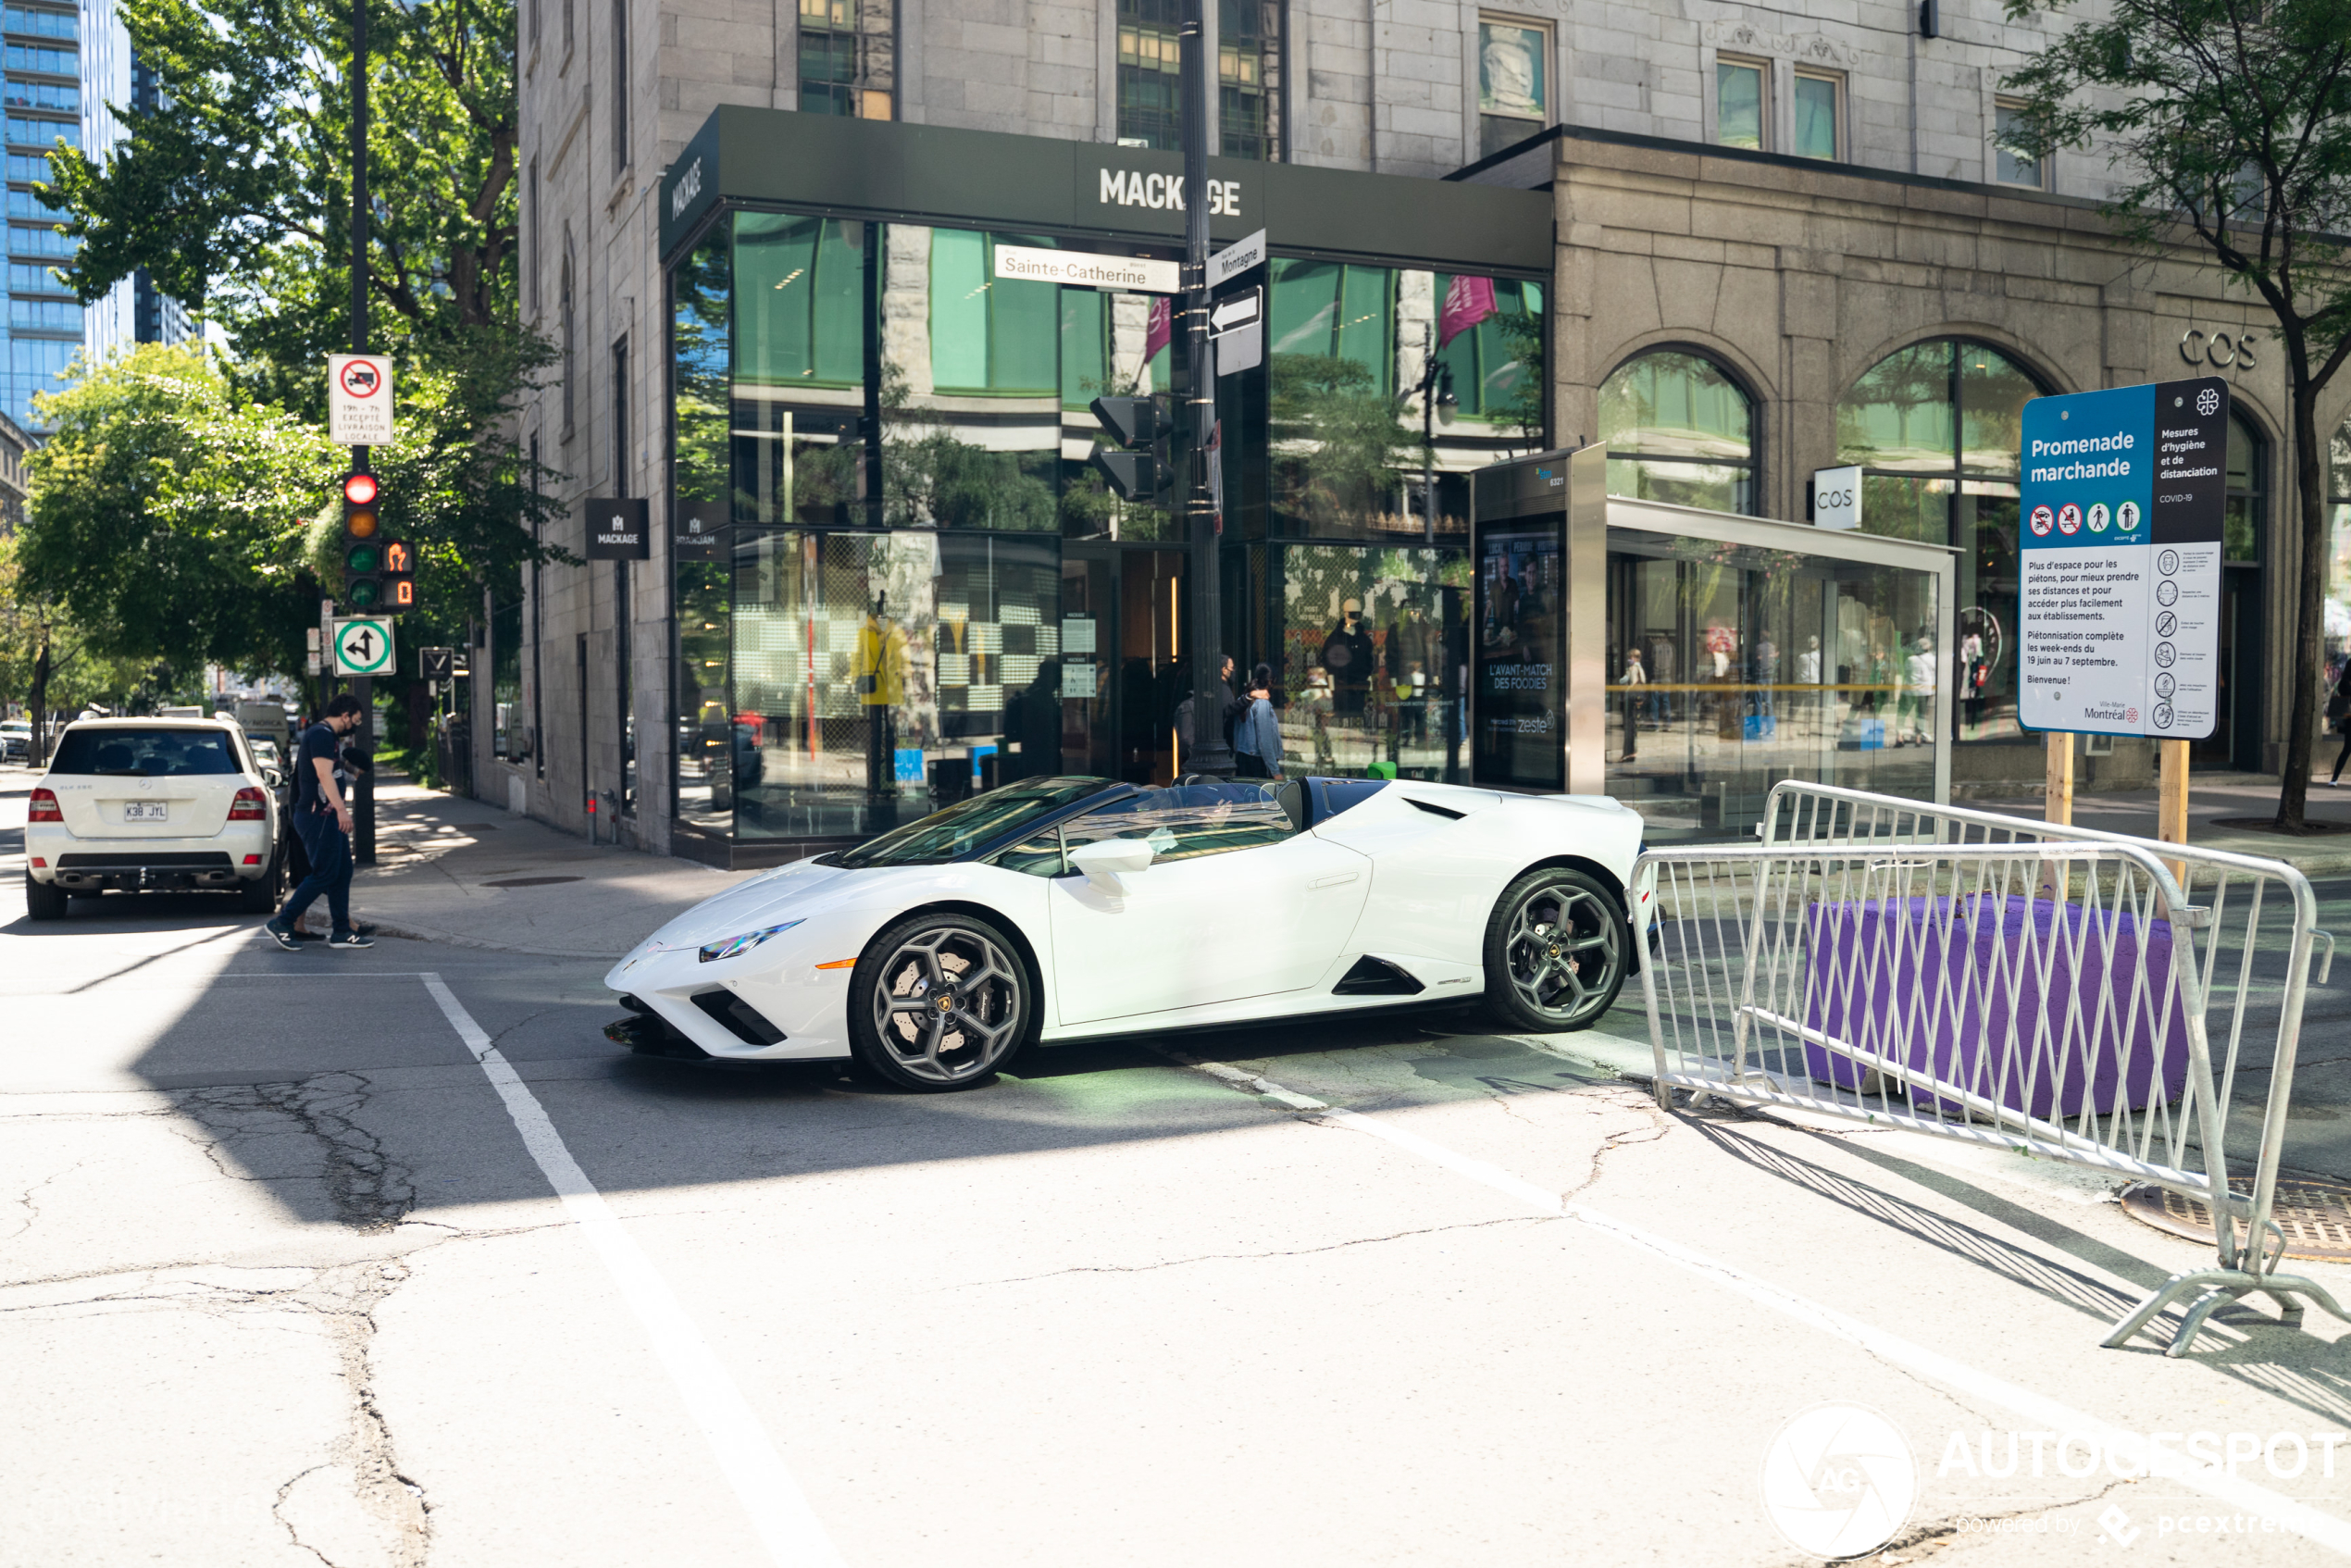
(2123, 497)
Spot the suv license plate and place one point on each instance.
(146, 811)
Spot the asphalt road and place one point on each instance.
(390, 1258)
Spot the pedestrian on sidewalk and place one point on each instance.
(1257, 740)
(2339, 720)
(322, 820)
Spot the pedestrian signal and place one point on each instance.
(1143, 468)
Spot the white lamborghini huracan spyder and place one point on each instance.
(1058, 909)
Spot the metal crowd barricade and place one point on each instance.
(2048, 989)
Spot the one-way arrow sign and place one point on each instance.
(1231, 313)
(1240, 327)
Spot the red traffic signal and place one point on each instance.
(359, 489)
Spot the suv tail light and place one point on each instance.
(45, 807)
(251, 805)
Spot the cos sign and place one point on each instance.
(2220, 350)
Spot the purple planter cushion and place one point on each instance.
(1933, 983)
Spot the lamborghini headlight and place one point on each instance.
(735, 946)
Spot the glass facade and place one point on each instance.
(1935, 428)
(912, 582)
(1736, 667)
(1679, 430)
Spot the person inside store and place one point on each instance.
(1257, 737)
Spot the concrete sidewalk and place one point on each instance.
(2211, 797)
(460, 871)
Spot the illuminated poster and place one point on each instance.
(1520, 740)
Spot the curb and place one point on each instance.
(385, 927)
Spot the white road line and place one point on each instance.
(2291, 1514)
(778, 1509)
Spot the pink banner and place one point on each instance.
(1467, 303)
(1163, 325)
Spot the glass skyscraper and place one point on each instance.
(63, 66)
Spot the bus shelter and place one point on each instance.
(1686, 661)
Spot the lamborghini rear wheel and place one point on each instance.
(940, 1002)
(1555, 951)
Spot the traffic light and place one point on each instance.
(400, 575)
(363, 542)
(1142, 468)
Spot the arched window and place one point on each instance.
(1678, 428)
(2249, 497)
(1934, 428)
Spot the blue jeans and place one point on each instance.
(330, 850)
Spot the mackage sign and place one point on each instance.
(1164, 193)
(778, 159)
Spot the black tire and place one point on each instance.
(42, 901)
(940, 1002)
(259, 896)
(1555, 951)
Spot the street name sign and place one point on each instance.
(1132, 273)
(363, 645)
(1240, 256)
(2123, 497)
(359, 400)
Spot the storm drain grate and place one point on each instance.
(530, 881)
(2314, 1216)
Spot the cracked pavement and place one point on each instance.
(280, 1283)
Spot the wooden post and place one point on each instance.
(2057, 803)
(2171, 811)
(2056, 807)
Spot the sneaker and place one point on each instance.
(351, 939)
(283, 938)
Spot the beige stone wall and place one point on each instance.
(1801, 280)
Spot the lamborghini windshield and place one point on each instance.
(965, 825)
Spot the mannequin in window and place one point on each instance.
(1348, 654)
(879, 667)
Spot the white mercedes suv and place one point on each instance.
(134, 803)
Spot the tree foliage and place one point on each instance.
(2228, 124)
(235, 191)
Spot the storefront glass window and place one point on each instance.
(1738, 667)
(2338, 601)
(1679, 430)
(701, 294)
(1488, 336)
(1935, 428)
(877, 675)
(1369, 649)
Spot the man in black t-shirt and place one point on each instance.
(322, 819)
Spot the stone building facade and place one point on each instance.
(1758, 208)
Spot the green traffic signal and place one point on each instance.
(363, 593)
(364, 558)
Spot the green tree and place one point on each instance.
(234, 192)
(2228, 122)
(167, 512)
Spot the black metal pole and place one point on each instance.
(1210, 753)
(363, 814)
